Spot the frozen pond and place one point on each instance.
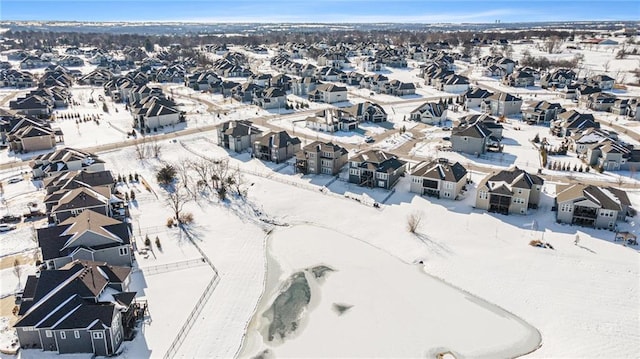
(330, 295)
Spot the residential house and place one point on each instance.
(33, 105)
(519, 79)
(276, 147)
(328, 93)
(511, 191)
(502, 104)
(271, 98)
(154, 112)
(84, 307)
(332, 120)
(238, 135)
(439, 178)
(473, 137)
(591, 206)
(429, 112)
(367, 112)
(452, 83)
(603, 82)
(557, 78)
(88, 236)
(71, 203)
(17, 79)
(321, 158)
(374, 168)
(303, 86)
(63, 160)
(474, 97)
(541, 112)
(571, 122)
(33, 135)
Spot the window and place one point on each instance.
(76, 334)
(382, 175)
(124, 251)
(76, 212)
(97, 335)
(483, 195)
(27, 329)
(354, 171)
(48, 333)
(63, 335)
(448, 185)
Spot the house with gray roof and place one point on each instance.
(572, 122)
(238, 135)
(476, 134)
(438, 178)
(83, 307)
(429, 112)
(511, 191)
(276, 147)
(33, 135)
(88, 236)
(63, 160)
(328, 93)
(501, 104)
(321, 158)
(591, 206)
(64, 204)
(474, 96)
(541, 112)
(375, 168)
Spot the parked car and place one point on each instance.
(10, 219)
(7, 227)
(369, 139)
(15, 180)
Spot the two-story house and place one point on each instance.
(321, 157)
(238, 135)
(88, 236)
(439, 178)
(83, 307)
(511, 191)
(276, 146)
(591, 206)
(374, 168)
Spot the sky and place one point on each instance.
(323, 11)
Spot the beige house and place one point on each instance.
(509, 191)
(33, 135)
(590, 206)
(439, 178)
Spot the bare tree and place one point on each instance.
(17, 270)
(155, 149)
(413, 222)
(204, 169)
(141, 150)
(552, 44)
(606, 65)
(176, 201)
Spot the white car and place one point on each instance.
(7, 227)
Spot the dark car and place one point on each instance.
(10, 219)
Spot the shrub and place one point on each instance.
(170, 222)
(413, 222)
(186, 218)
(166, 175)
(158, 243)
(147, 241)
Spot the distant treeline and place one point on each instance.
(111, 41)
